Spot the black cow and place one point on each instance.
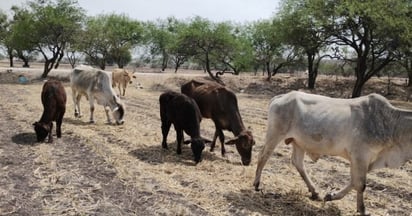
(184, 114)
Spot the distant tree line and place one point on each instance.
(368, 38)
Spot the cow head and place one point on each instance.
(128, 76)
(197, 147)
(118, 111)
(244, 143)
(42, 130)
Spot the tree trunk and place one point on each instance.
(11, 60)
(267, 66)
(48, 66)
(58, 60)
(357, 89)
(164, 62)
(311, 80)
(207, 67)
(312, 72)
(408, 67)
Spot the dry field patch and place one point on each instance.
(101, 169)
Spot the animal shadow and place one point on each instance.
(24, 138)
(292, 203)
(75, 121)
(155, 154)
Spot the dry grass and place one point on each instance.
(100, 169)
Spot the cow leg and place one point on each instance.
(179, 136)
(358, 171)
(51, 132)
(222, 142)
(59, 123)
(272, 140)
(165, 131)
(212, 145)
(218, 133)
(91, 102)
(107, 110)
(124, 89)
(120, 90)
(297, 160)
(76, 101)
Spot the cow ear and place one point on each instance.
(232, 141)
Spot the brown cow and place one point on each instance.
(121, 77)
(220, 104)
(53, 98)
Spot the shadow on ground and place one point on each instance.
(292, 203)
(155, 154)
(24, 138)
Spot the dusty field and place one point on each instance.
(101, 169)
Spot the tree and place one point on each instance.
(49, 26)
(160, 35)
(203, 39)
(302, 30)
(16, 41)
(178, 53)
(371, 28)
(4, 32)
(268, 45)
(236, 52)
(110, 37)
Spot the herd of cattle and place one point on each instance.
(367, 131)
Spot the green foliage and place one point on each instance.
(110, 37)
(46, 27)
(211, 44)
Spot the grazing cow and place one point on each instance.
(53, 98)
(183, 112)
(367, 131)
(220, 104)
(95, 85)
(121, 77)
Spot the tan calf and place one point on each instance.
(121, 78)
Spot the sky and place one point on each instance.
(145, 10)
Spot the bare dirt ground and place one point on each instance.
(101, 169)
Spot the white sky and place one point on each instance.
(144, 10)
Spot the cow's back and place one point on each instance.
(84, 79)
(181, 110)
(53, 98)
(214, 100)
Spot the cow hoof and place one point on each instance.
(315, 196)
(256, 186)
(363, 214)
(92, 122)
(328, 197)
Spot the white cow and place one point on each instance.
(367, 131)
(95, 85)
